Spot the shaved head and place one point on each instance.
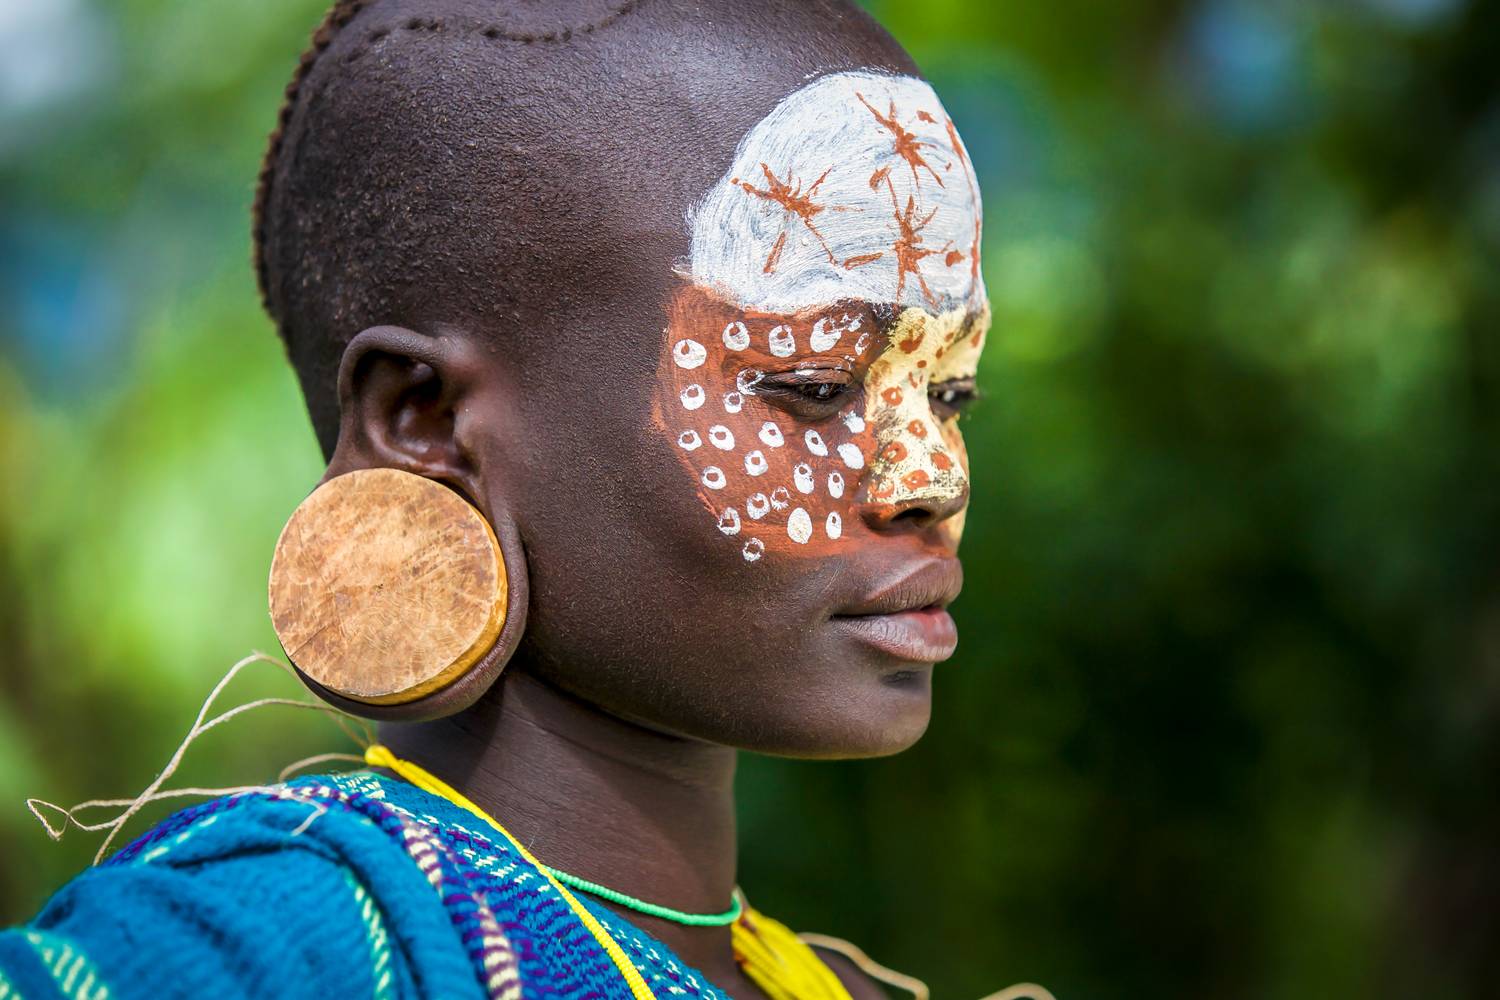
(685, 297)
(516, 167)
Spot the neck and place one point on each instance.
(639, 811)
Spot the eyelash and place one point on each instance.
(812, 397)
(950, 398)
(811, 393)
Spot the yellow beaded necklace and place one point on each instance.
(769, 953)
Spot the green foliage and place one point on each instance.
(1222, 723)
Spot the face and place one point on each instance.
(801, 436)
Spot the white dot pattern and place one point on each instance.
(795, 479)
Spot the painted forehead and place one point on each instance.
(855, 187)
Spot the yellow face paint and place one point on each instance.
(918, 451)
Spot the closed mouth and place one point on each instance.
(907, 618)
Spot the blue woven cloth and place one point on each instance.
(330, 886)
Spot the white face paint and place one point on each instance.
(802, 478)
(688, 354)
(799, 526)
(854, 187)
(736, 337)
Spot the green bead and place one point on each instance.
(729, 916)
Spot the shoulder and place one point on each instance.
(293, 890)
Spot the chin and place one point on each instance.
(882, 714)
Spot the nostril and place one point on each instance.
(916, 513)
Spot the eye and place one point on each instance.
(950, 398)
(807, 393)
(820, 392)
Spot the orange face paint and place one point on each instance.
(780, 475)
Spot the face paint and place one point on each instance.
(831, 298)
(854, 188)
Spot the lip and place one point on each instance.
(922, 635)
(907, 617)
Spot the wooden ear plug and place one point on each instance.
(386, 586)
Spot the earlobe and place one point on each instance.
(394, 598)
(397, 593)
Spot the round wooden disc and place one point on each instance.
(386, 586)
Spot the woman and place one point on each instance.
(682, 300)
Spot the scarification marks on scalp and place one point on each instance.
(340, 15)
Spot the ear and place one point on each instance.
(408, 401)
(399, 393)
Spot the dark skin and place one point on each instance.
(640, 654)
(639, 799)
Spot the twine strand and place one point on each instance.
(201, 724)
(317, 758)
(1022, 991)
(868, 965)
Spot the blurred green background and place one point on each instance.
(1224, 719)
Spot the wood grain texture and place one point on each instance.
(386, 586)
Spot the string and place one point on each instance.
(1022, 991)
(317, 758)
(152, 792)
(868, 965)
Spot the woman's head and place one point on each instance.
(685, 298)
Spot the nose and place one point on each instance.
(913, 509)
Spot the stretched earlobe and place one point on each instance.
(397, 589)
(394, 598)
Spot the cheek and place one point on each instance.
(772, 484)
